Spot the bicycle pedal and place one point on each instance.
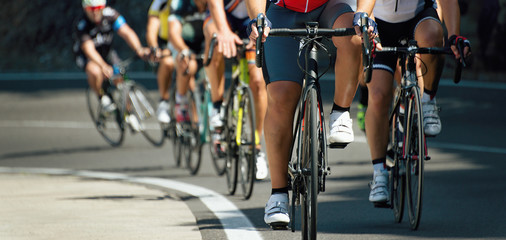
(338, 145)
(382, 205)
(427, 158)
(279, 226)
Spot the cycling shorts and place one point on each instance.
(281, 53)
(112, 58)
(391, 34)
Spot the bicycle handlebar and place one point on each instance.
(431, 50)
(311, 31)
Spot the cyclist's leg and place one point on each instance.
(186, 69)
(428, 32)
(95, 77)
(215, 70)
(164, 74)
(347, 69)
(376, 118)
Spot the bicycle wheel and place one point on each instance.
(174, 129)
(309, 165)
(247, 146)
(230, 145)
(397, 174)
(415, 155)
(144, 109)
(193, 146)
(219, 160)
(109, 124)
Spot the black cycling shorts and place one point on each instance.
(281, 53)
(392, 33)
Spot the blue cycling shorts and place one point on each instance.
(281, 53)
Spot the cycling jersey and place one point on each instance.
(101, 34)
(395, 11)
(192, 21)
(303, 6)
(236, 8)
(160, 9)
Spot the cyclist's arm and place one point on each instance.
(89, 50)
(175, 30)
(128, 34)
(227, 40)
(152, 29)
(451, 18)
(256, 7)
(365, 6)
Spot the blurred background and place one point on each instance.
(36, 35)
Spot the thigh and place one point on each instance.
(281, 53)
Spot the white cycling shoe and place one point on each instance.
(276, 211)
(379, 187)
(341, 131)
(431, 120)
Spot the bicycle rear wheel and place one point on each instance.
(309, 165)
(230, 145)
(415, 152)
(144, 109)
(108, 123)
(193, 146)
(397, 174)
(247, 145)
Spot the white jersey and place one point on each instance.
(395, 11)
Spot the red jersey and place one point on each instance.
(303, 6)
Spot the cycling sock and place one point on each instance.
(364, 95)
(336, 107)
(379, 164)
(217, 105)
(279, 190)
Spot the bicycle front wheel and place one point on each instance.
(144, 109)
(247, 143)
(309, 165)
(397, 174)
(230, 144)
(415, 152)
(193, 144)
(108, 123)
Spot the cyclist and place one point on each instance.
(228, 19)
(93, 39)
(186, 35)
(419, 20)
(157, 40)
(284, 83)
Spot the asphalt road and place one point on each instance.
(46, 125)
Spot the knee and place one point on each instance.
(350, 46)
(93, 70)
(379, 99)
(429, 34)
(167, 62)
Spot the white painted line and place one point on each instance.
(235, 224)
(46, 124)
(464, 147)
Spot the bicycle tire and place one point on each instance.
(193, 146)
(415, 152)
(172, 128)
(247, 148)
(109, 124)
(309, 165)
(145, 111)
(397, 174)
(230, 145)
(219, 163)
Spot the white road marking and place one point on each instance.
(235, 224)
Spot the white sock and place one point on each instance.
(425, 97)
(379, 167)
